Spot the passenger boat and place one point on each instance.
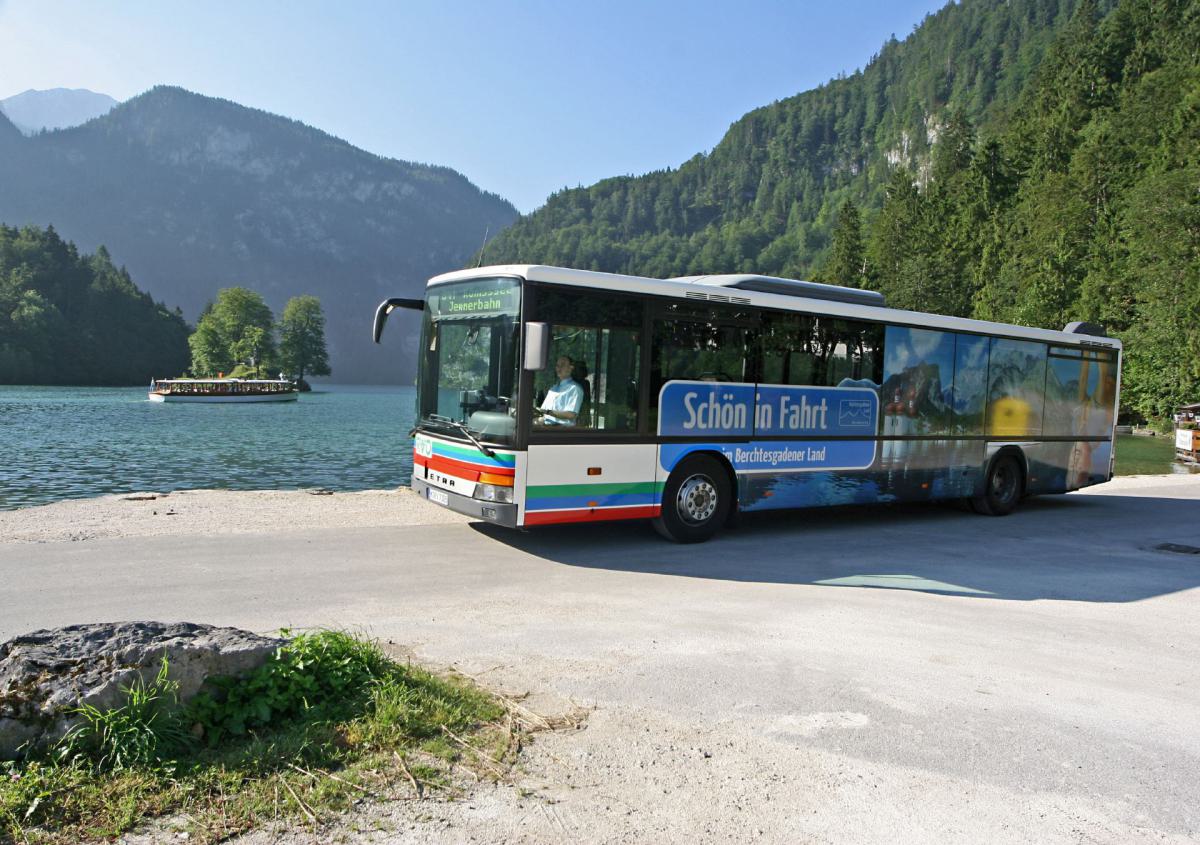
(223, 390)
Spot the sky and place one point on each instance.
(524, 98)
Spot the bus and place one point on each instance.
(550, 395)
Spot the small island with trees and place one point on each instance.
(237, 336)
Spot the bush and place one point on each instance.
(325, 674)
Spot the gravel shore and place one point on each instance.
(193, 512)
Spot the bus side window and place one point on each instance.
(601, 337)
(855, 353)
(692, 342)
(801, 349)
(1016, 387)
(788, 349)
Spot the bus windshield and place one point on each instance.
(469, 346)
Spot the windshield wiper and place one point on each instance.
(466, 433)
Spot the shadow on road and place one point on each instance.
(1073, 548)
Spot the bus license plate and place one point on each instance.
(438, 496)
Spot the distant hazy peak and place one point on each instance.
(57, 108)
(7, 128)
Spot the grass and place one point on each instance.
(329, 722)
(1137, 455)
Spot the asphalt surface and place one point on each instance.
(1038, 673)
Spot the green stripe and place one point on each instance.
(474, 454)
(546, 491)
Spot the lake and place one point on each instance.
(70, 442)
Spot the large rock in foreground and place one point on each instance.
(45, 674)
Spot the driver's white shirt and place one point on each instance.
(567, 396)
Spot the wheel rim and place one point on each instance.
(697, 499)
(1004, 482)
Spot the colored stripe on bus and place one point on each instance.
(464, 470)
(469, 454)
(594, 501)
(575, 496)
(591, 514)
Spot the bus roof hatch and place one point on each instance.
(790, 287)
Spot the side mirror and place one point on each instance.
(537, 345)
(387, 307)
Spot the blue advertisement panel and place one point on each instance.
(725, 410)
(706, 409)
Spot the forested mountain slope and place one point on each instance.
(1087, 206)
(67, 318)
(196, 194)
(763, 200)
(1041, 192)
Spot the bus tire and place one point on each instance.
(696, 500)
(1001, 489)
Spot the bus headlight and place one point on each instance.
(494, 493)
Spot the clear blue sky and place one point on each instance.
(524, 98)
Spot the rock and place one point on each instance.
(46, 674)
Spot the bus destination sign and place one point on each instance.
(475, 301)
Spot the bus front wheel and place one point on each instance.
(1002, 488)
(695, 500)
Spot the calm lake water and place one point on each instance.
(70, 442)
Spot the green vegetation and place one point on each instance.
(236, 335)
(237, 328)
(67, 318)
(329, 721)
(1138, 455)
(302, 338)
(1033, 161)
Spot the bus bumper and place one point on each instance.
(500, 514)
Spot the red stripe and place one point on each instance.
(459, 467)
(592, 514)
(419, 460)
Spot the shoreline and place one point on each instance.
(219, 512)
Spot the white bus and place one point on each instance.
(549, 395)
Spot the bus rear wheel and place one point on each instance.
(1002, 489)
(696, 500)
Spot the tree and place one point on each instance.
(210, 353)
(848, 265)
(302, 338)
(222, 336)
(248, 349)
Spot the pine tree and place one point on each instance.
(847, 265)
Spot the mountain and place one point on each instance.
(10, 135)
(765, 198)
(196, 194)
(58, 108)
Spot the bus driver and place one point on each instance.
(563, 400)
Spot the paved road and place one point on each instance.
(899, 674)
